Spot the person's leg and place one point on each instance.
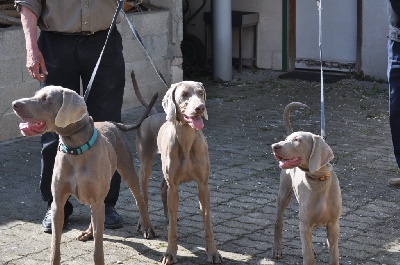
(106, 96)
(394, 100)
(49, 150)
(62, 71)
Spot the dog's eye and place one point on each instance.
(185, 94)
(200, 93)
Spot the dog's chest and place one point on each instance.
(82, 175)
(318, 199)
(190, 159)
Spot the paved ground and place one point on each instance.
(245, 118)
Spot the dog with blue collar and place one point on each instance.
(89, 153)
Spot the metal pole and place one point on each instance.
(222, 39)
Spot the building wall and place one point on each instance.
(159, 37)
(374, 38)
(269, 46)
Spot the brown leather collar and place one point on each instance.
(322, 178)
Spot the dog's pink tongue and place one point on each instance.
(290, 163)
(196, 123)
(31, 129)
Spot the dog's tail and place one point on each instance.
(139, 95)
(286, 114)
(129, 127)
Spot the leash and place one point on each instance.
(135, 32)
(319, 4)
(89, 87)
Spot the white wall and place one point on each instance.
(374, 38)
(269, 52)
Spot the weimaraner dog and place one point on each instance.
(306, 171)
(184, 156)
(146, 146)
(87, 173)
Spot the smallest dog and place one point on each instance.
(304, 158)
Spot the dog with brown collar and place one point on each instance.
(307, 173)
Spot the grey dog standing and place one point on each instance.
(304, 158)
(87, 175)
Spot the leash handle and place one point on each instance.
(131, 25)
(319, 3)
(113, 22)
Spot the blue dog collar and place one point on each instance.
(79, 150)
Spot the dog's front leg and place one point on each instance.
(282, 201)
(97, 222)
(164, 191)
(333, 243)
(213, 255)
(169, 256)
(306, 242)
(57, 223)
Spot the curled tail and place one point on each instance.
(129, 127)
(286, 114)
(139, 95)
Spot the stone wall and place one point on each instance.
(161, 35)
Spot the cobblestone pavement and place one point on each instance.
(245, 118)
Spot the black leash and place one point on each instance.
(119, 7)
(89, 87)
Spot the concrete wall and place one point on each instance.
(374, 38)
(160, 35)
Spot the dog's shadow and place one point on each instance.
(153, 249)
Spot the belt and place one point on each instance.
(80, 33)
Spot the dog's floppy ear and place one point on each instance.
(168, 103)
(205, 114)
(72, 109)
(321, 154)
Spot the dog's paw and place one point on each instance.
(148, 232)
(168, 258)
(277, 253)
(85, 235)
(214, 258)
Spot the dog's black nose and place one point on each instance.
(201, 108)
(16, 105)
(276, 146)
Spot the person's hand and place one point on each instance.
(34, 58)
(35, 64)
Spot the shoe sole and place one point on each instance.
(396, 186)
(49, 230)
(46, 230)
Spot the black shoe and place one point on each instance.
(46, 223)
(112, 219)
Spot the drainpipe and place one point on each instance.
(222, 39)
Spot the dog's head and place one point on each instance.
(51, 109)
(185, 102)
(303, 149)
